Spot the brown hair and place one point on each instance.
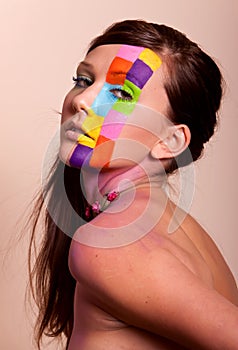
(194, 89)
(194, 83)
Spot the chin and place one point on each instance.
(65, 153)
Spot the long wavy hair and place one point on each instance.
(194, 90)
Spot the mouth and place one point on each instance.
(74, 134)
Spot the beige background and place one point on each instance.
(41, 43)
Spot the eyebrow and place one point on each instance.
(85, 65)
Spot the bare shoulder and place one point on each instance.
(190, 245)
(145, 285)
(223, 279)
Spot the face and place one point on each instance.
(99, 111)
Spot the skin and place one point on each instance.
(161, 291)
(106, 116)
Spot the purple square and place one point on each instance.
(80, 155)
(139, 73)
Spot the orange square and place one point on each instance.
(102, 157)
(101, 139)
(118, 69)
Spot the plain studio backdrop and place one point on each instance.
(41, 45)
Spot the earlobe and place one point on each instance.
(175, 143)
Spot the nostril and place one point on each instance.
(80, 107)
(83, 111)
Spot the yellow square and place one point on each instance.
(92, 125)
(151, 59)
(86, 141)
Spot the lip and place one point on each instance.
(73, 132)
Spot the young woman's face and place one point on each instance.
(99, 122)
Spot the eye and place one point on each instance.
(82, 81)
(122, 94)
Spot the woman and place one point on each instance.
(145, 102)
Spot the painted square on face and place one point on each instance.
(118, 70)
(86, 141)
(104, 100)
(151, 59)
(129, 52)
(113, 124)
(80, 155)
(135, 90)
(124, 108)
(92, 126)
(102, 156)
(128, 107)
(139, 73)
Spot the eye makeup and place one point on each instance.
(82, 81)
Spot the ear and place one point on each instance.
(175, 143)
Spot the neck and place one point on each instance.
(98, 184)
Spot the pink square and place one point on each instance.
(113, 124)
(129, 52)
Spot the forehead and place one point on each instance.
(117, 57)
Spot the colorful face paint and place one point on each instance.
(127, 75)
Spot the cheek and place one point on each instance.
(138, 134)
(67, 108)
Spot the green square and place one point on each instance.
(135, 89)
(127, 107)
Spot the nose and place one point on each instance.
(79, 105)
(83, 100)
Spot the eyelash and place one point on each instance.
(82, 81)
(125, 95)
